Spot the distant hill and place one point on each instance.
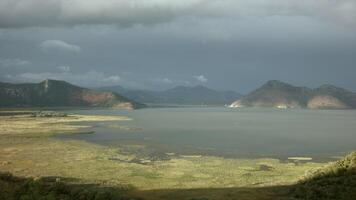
(282, 95)
(197, 95)
(145, 96)
(51, 93)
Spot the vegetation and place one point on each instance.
(336, 181)
(52, 188)
(51, 93)
(34, 123)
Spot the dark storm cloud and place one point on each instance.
(223, 44)
(28, 13)
(95, 78)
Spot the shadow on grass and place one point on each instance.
(243, 193)
(53, 188)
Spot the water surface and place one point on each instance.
(226, 131)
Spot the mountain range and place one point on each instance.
(180, 95)
(283, 95)
(50, 93)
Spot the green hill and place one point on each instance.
(50, 93)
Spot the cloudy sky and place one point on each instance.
(158, 44)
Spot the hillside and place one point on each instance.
(336, 181)
(51, 93)
(329, 96)
(197, 95)
(283, 95)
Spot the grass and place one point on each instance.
(25, 124)
(336, 181)
(93, 163)
(52, 188)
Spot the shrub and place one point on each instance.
(337, 181)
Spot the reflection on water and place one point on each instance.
(225, 131)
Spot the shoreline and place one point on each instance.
(36, 154)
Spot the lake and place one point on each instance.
(229, 132)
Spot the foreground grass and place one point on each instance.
(52, 188)
(37, 157)
(335, 181)
(27, 151)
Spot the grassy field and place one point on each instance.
(26, 150)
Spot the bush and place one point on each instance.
(335, 182)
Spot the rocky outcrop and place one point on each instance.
(51, 93)
(325, 102)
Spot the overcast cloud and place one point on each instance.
(158, 44)
(27, 13)
(16, 62)
(96, 78)
(201, 78)
(58, 45)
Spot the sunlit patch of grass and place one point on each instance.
(93, 163)
(44, 126)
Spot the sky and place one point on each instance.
(158, 44)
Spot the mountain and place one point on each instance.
(145, 96)
(283, 95)
(50, 93)
(197, 95)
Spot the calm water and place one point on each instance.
(225, 131)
